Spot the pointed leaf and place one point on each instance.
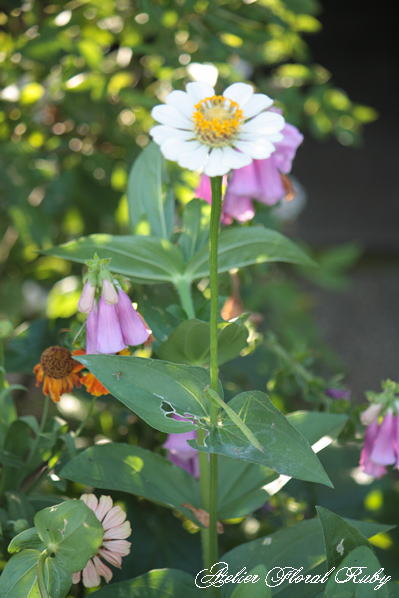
(339, 536)
(145, 259)
(146, 194)
(240, 247)
(153, 388)
(300, 545)
(285, 449)
(244, 486)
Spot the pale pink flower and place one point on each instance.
(114, 546)
(181, 453)
(263, 180)
(381, 446)
(113, 326)
(371, 414)
(86, 301)
(108, 291)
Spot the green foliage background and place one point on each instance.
(79, 79)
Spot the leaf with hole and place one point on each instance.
(152, 388)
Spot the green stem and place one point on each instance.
(88, 416)
(41, 580)
(216, 185)
(183, 287)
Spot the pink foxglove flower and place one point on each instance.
(114, 546)
(262, 180)
(181, 453)
(112, 326)
(134, 329)
(109, 293)
(380, 446)
(86, 301)
(371, 414)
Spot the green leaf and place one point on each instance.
(153, 388)
(242, 484)
(300, 545)
(285, 449)
(315, 425)
(20, 577)
(194, 229)
(240, 247)
(29, 538)
(70, 531)
(240, 487)
(339, 536)
(141, 258)
(146, 195)
(362, 556)
(160, 583)
(137, 471)
(189, 342)
(254, 589)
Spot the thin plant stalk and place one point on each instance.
(209, 465)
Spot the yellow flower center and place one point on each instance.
(57, 362)
(217, 120)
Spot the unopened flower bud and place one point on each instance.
(370, 414)
(86, 301)
(109, 293)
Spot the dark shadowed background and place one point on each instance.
(352, 192)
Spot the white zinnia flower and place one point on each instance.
(216, 133)
(114, 546)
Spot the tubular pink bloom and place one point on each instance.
(181, 453)
(261, 179)
(116, 529)
(369, 415)
(91, 331)
(109, 334)
(109, 292)
(86, 301)
(134, 330)
(366, 463)
(383, 451)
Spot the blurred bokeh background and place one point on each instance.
(78, 80)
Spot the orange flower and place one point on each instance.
(93, 385)
(58, 372)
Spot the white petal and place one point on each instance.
(181, 101)
(259, 148)
(173, 148)
(236, 159)
(198, 91)
(267, 123)
(216, 164)
(169, 115)
(256, 104)
(161, 133)
(195, 157)
(239, 92)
